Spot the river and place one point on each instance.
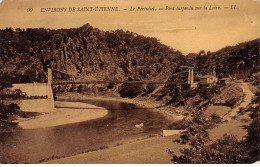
(37, 145)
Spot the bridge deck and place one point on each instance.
(114, 82)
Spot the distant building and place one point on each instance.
(224, 81)
(208, 80)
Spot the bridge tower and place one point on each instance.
(189, 81)
(49, 76)
(191, 78)
(50, 91)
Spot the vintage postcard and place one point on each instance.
(129, 81)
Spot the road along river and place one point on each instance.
(33, 145)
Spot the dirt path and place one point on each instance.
(246, 101)
(234, 126)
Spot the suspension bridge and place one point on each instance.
(46, 89)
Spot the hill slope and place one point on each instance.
(85, 51)
(238, 61)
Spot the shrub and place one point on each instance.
(150, 88)
(205, 93)
(196, 129)
(7, 110)
(253, 136)
(177, 125)
(190, 93)
(215, 118)
(13, 106)
(225, 150)
(131, 90)
(232, 102)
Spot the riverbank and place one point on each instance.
(73, 112)
(153, 150)
(169, 112)
(58, 113)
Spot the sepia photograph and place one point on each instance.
(129, 82)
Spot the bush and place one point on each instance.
(13, 94)
(196, 129)
(253, 136)
(150, 88)
(225, 150)
(232, 102)
(205, 93)
(7, 110)
(190, 93)
(131, 90)
(13, 106)
(179, 125)
(215, 118)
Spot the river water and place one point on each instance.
(36, 145)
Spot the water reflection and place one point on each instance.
(33, 145)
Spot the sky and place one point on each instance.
(187, 31)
